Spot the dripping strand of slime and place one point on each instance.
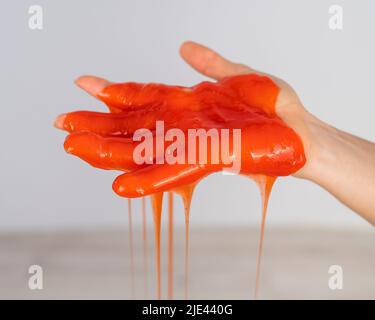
(187, 222)
(170, 245)
(157, 203)
(265, 184)
(131, 248)
(186, 193)
(145, 255)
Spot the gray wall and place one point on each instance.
(42, 187)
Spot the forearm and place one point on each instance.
(343, 164)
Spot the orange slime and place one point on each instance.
(157, 202)
(145, 249)
(170, 245)
(269, 148)
(131, 248)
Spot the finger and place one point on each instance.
(106, 124)
(92, 85)
(157, 178)
(129, 95)
(132, 95)
(103, 153)
(210, 63)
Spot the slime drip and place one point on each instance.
(186, 192)
(157, 203)
(170, 245)
(144, 240)
(131, 248)
(265, 186)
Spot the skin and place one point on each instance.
(339, 162)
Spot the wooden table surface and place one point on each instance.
(96, 264)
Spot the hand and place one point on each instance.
(341, 163)
(245, 101)
(330, 153)
(288, 106)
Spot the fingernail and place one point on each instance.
(59, 122)
(92, 85)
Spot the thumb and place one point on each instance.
(210, 63)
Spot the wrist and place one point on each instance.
(319, 140)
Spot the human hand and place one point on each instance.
(288, 105)
(340, 162)
(242, 99)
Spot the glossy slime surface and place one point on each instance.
(269, 148)
(246, 102)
